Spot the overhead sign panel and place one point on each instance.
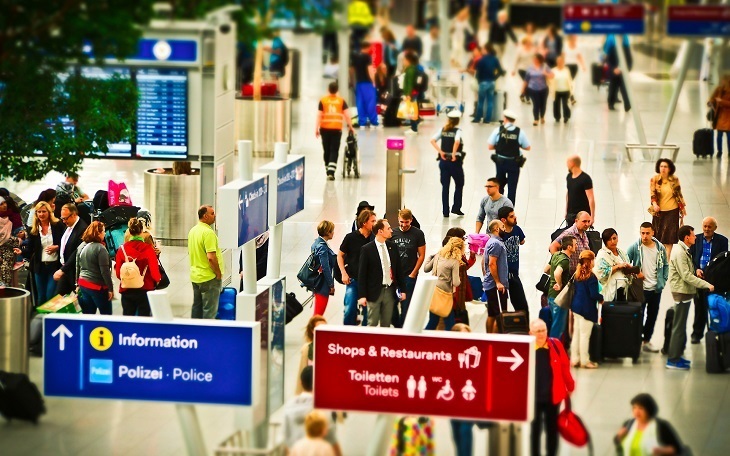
(244, 205)
(127, 358)
(601, 19)
(475, 377)
(699, 20)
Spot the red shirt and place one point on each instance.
(145, 257)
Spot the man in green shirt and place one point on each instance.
(205, 265)
(559, 269)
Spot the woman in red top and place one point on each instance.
(553, 383)
(134, 300)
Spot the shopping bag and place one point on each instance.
(402, 110)
(413, 110)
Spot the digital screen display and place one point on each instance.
(290, 190)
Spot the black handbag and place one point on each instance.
(542, 284)
(310, 275)
(563, 226)
(594, 240)
(164, 280)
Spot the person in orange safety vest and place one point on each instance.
(332, 115)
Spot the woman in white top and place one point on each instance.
(459, 28)
(573, 58)
(563, 84)
(523, 60)
(612, 267)
(44, 241)
(446, 268)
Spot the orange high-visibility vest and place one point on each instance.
(332, 112)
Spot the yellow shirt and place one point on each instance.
(667, 202)
(201, 241)
(636, 444)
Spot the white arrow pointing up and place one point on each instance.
(517, 360)
(62, 332)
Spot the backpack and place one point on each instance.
(129, 272)
(421, 85)
(719, 310)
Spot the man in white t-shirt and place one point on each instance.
(650, 255)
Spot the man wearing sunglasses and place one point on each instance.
(491, 204)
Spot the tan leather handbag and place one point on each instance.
(442, 301)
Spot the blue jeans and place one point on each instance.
(560, 318)
(509, 172)
(365, 98)
(451, 170)
(486, 97)
(351, 306)
(719, 140)
(461, 432)
(433, 321)
(400, 317)
(91, 300)
(45, 286)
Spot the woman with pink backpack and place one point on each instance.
(138, 269)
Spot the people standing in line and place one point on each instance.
(615, 76)
(460, 27)
(536, 86)
(365, 95)
(327, 261)
(488, 70)
(578, 231)
(523, 60)
(491, 204)
(573, 59)
(613, 268)
(445, 265)
(508, 141)
(412, 42)
(667, 203)
(579, 197)
(206, 265)
(552, 45)
(553, 384)
(720, 102)
(306, 352)
(496, 275)
(332, 111)
(348, 260)
(361, 207)
(379, 276)
(411, 91)
(93, 272)
(560, 272)
(563, 84)
(513, 238)
(75, 228)
(42, 249)
(451, 162)
(499, 31)
(647, 434)
(650, 256)
(134, 300)
(463, 292)
(684, 284)
(585, 310)
(704, 250)
(411, 244)
(390, 50)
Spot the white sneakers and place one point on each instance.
(649, 348)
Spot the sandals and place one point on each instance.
(590, 365)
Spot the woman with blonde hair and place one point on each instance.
(134, 300)
(93, 272)
(445, 266)
(44, 241)
(585, 310)
(307, 350)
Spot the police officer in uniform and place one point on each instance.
(332, 110)
(451, 159)
(507, 140)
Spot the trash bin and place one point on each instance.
(15, 306)
(173, 200)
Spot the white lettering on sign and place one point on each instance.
(380, 391)
(286, 177)
(100, 371)
(170, 342)
(140, 372)
(403, 353)
(191, 375)
(367, 376)
(353, 352)
(250, 196)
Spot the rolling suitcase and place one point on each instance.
(622, 325)
(668, 321)
(717, 272)
(702, 143)
(717, 352)
(597, 74)
(293, 307)
(514, 322)
(595, 344)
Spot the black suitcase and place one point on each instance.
(20, 398)
(702, 143)
(622, 325)
(668, 321)
(597, 74)
(595, 344)
(293, 307)
(514, 322)
(717, 272)
(717, 352)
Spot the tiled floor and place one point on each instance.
(698, 404)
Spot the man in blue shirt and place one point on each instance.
(706, 248)
(496, 275)
(487, 70)
(507, 140)
(513, 238)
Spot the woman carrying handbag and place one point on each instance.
(445, 266)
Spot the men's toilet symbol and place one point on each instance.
(422, 387)
(470, 358)
(411, 386)
(468, 391)
(446, 393)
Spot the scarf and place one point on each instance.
(6, 230)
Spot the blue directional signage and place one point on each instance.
(706, 21)
(253, 210)
(603, 19)
(130, 358)
(290, 190)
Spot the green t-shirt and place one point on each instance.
(202, 240)
(636, 444)
(562, 260)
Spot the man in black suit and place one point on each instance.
(71, 239)
(379, 275)
(706, 248)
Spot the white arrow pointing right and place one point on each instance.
(516, 360)
(61, 332)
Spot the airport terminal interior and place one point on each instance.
(695, 402)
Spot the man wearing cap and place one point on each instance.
(507, 140)
(451, 160)
(361, 207)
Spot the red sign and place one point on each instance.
(699, 13)
(602, 11)
(459, 375)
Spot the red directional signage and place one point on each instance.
(699, 20)
(470, 376)
(603, 19)
(603, 11)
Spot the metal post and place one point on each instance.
(276, 232)
(675, 94)
(186, 414)
(413, 324)
(629, 92)
(245, 172)
(343, 56)
(444, 34)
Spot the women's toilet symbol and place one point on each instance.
(422, 387)
(446, 393)
(468, 391)
(411, 386)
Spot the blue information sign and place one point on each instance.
(290, 190)
(698, 20)
(131, 358)
(253, 210)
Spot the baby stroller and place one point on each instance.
(352, 157)
(116, 220)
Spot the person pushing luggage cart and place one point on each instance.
(332, 111)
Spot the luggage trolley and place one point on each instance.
(449, 91)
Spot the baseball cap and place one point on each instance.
(510, 114)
